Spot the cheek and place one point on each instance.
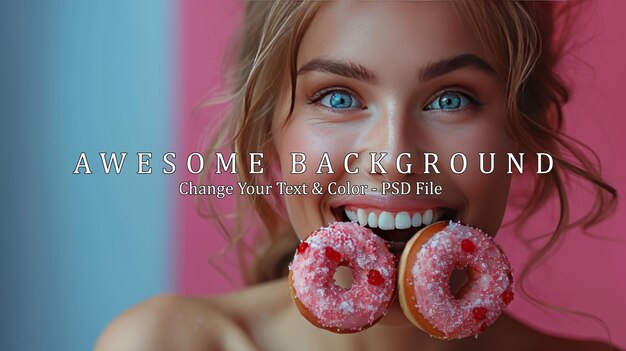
(312, 141)
(309, 212)
(486, 194)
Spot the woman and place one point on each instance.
(367, 77)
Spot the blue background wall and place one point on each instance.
(79, 249)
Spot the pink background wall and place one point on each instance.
(586, 274)
(206, 28)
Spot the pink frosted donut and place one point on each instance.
(326, 304)
(426, 266)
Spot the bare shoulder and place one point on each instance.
(563, 343)
(167, 322)
(174, 322)
(163, 322)
(512, 332)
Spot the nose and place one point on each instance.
(393, 133)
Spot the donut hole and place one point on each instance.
(458, 280)
(343, 277)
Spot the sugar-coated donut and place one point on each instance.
(326, 304)
(425, 268)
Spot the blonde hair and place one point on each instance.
(521, 38)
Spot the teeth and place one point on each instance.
(388, 221)
(372, 220)
(362, 217)
(427, 218)
(351, 215)
(403, 220)
(416, 221)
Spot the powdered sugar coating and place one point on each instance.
(361, 250)
(481, 302)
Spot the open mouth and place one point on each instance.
(394, 227)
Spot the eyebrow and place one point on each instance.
(439, 68)
(346, 69)
(430, 71)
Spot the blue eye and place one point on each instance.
(339, 100)
(449, 101)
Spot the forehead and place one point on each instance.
(388, 37)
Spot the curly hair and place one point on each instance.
(526, 40)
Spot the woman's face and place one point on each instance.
(401, 77)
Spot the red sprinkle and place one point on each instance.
(507, 296)
(302, 247)
(479, 313)
(483, 327)
(468, 246)
(374, 277)
(332, 254)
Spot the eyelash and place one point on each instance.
(472, 100)
(321, 94)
